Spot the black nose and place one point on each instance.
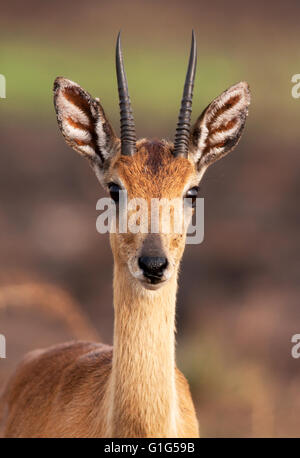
(153, 267)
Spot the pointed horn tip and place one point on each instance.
(128, 136)
(184, 119)
(118, 44)
(194, 44)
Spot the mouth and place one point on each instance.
(152, 285)
(150, 281)
(153, 282)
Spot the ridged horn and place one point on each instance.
(128, 135)
(182, 136)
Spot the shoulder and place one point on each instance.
(181, 381)
(44, 369)
(189, 427)
(49, 386)
(64, 353)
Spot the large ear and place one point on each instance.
(83, 123)
(220, 126)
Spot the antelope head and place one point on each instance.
(150, 169)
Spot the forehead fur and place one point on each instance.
(153, 171)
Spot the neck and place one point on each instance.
(142, 386)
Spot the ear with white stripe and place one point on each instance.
(83, 123)
(219, 128)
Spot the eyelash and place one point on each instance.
(114, 190)
(193, 195)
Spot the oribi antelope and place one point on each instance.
(133, 389)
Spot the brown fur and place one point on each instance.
(153, 172)
(48, 395)
(86, 389)
(78, 389)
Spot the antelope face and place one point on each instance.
(156, 182)
(150, 172)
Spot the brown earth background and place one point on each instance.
(238, 303)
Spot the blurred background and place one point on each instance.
(238, 303)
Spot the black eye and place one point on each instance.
(192, 195)
(114, 191)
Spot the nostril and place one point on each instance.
(153, 266)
